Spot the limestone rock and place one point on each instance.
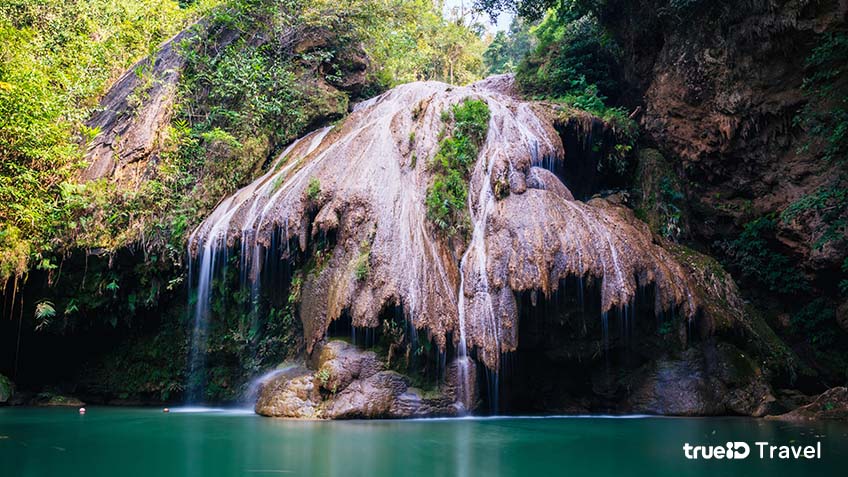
(369, 192)
(353, 384)
(831, 404)
(293, 393)
(341, 363)
(372, 397)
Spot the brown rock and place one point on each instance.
(831, 404)
(293, 393)
(341, 363)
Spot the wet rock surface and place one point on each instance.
(350, 383)
(831, 404)
(706, 380)
(358, 183)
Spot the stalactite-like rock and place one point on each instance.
(364, 182)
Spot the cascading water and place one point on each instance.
(210, 241)
(361, 186)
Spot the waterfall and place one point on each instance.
(475, 255)
(209, 241)
(371, 192)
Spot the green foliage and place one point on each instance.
(830, 203)
(44, 312)
(815, 325)
(815, 322)
(825, 118)
(147, 367)
(754, 255)
(244, 94)
(313, 189)
(55, 59)
(669, 207)
(414, 41)
(363, 262)
(446, 199)
(574, 60)
(508, 48)
(323, 376)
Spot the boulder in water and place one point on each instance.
(293, 393)
(351, 384)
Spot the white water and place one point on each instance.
(214, 242)
(252, 392)
(370, 189)
(475, 255)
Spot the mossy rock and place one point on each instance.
(727, 313)
(658, 191)
(7, 389)
(716, 290)
(48, 399)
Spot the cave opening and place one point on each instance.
(594, 161)
(571, 357)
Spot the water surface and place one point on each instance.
(147, 442)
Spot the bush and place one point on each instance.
(55, 59)
(447, 198)
(574, 58)
(753, 254)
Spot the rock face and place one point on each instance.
(365, 181)
(133, 115)
(705, 380)
(721, 83)
(7, 389)
(831, 404)
(349, 384)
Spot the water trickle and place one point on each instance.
(251, 394)
(209, 242)
(530, 239)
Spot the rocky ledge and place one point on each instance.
(344, 382)
(831, 404)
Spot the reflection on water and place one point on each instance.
(229, 442)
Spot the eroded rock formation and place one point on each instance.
(350, 383)
(360, 187)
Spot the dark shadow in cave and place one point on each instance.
(565, 362)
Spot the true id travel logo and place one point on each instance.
(742, 450)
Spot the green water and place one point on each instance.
(147, 442)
